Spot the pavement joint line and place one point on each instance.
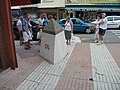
(50, 78)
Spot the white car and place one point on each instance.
(113, 22)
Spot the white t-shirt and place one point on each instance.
(19, 24)
(68, 26)
(41, 21)
(104, 25)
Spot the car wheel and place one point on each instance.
(87, 30)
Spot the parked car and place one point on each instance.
(35, 29)
(113, 22)
(79, 25)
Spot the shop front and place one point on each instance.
(90, 11)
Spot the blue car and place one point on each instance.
(79, 25)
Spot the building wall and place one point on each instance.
(51, 3)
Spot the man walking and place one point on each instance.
(102, 28)
(26, 34)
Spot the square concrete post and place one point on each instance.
(53, 47)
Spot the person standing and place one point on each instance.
(30, 28)
(20, 28)
(40, 25)
(41, 19)
(102, 28)
(99, 18)
(68, 30)
(45, 23)
(26, 34)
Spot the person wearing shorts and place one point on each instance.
(20, 28)
(102, 28)
(26, 32)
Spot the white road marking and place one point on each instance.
(117, 34)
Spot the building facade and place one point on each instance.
(95, 1)
(53, 7)
(85, 9)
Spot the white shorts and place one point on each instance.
(26, 37)
(39, 34)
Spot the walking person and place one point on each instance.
(26, 34)
(68, 30)
(20, 28)
(102, 28)
(99, 18)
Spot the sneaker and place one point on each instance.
(96, 41)
(27, 48)
(99, 43)
(102, 42)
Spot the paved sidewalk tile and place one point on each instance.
(27, 61)
(77, 71)
(46, 75)
(84, 61)
(106, 73)
(114, 49)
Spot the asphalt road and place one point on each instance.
(111, 37)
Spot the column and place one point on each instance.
(7, 45)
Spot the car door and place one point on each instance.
(110, 23)
(117, 21)
(77, 25)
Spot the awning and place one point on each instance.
(92, 9)
(95, 7)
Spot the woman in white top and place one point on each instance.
(99, 18)
(39, 33)
(68, 30)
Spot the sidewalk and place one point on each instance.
(84, 61)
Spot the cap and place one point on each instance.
(104, 14)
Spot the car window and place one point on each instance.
(64, 21)
(116, 18)
(110, 18)
(75, 21)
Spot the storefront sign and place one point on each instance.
(20, 2)
(24, 2)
